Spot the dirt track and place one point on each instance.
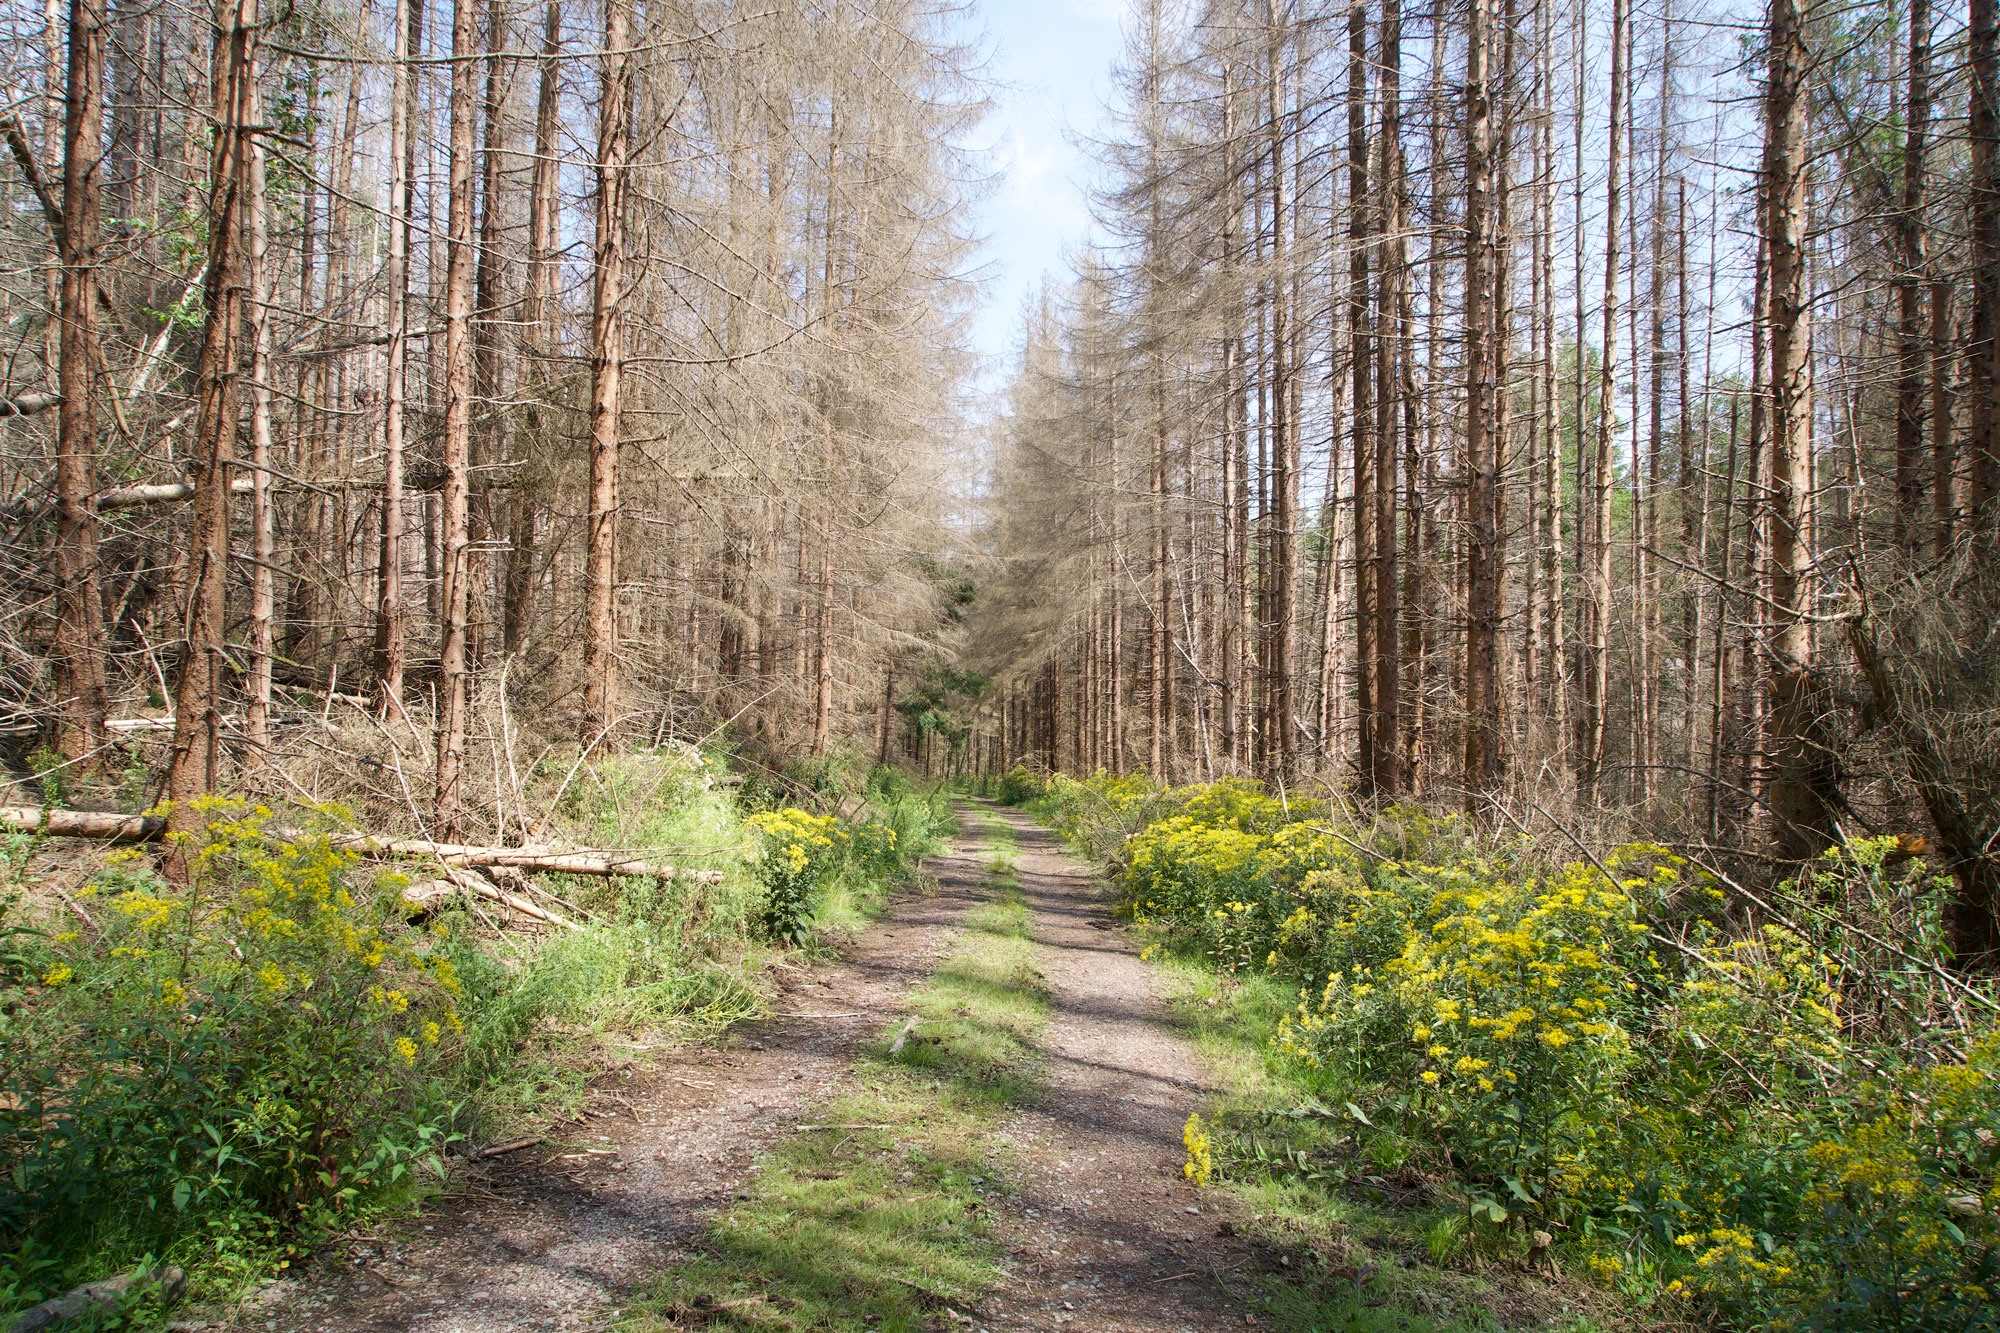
(1107, 1234)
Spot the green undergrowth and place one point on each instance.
(877, 1214)
(1697, 1105)
(1375, 1253)
(216, 1075)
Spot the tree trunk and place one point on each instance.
(1597, 683)
(79, 645)
(1803, 772)
(607, 356)
(455, 552)
(263, 540)
(389, 611)
(1983, 348)
(194, 768)
(1483, 427)
(1913, 352)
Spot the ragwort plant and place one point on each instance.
(236, 1061)
(1794, 1123)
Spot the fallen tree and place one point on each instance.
(103, 826)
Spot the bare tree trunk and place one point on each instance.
(607, 350)
(194, 767)
(1361, 350)
(1983, 348)
(1911, 334)
(1387, 775)
(518, 615)
(1597, 684)
(79, 645)
(1483, 427)
(455, 553)
(389, 611)
(263, 540)
(1803, 773)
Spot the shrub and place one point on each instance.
(1789, 1121)
(800, 853)
(251, 1053)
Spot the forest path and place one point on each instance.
(561, 1235)
(1109, 1235)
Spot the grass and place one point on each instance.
(1312, 1179)
(881, 1219)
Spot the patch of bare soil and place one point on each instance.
(1110, 1235)
(559, 1234)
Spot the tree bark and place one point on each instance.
(389, 610)
(263, 538)
(194, 767)
(457, 444)
(1483, 427)
(1597, 682)
(79, 647)
(1803, 772)
(607, 352)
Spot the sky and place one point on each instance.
(1050, 66)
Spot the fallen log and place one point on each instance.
(108, 827)
(93, 824)
(549, 860)
(425, 895)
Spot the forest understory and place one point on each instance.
(515, 555)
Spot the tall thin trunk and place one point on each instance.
(455, 543)
(1361, 347)
(1983, 347)
(1387, 777)
(1483, 425)
(607, 362)
(518, 615)
(389, 609)
(263, 539)
(1802, 766)
(194, 767)
(1912, 349)
(1597, 684)
(79, 643)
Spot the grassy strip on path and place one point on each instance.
(878, 1215)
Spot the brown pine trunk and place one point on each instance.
(194, 767)
(1361, 351)
(1597, 683)
(1283, 740)
(389, 610)
(518, 615)
(607, 351)
(263, 541)
(1386, 777)
(1483, 428)
(1983, 348)
(1803, 772)
(1911, 334)
(455, 557)
(79, 643)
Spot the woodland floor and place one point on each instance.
(1100, 1230)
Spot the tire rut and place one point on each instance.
(1111, 1236)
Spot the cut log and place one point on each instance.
(106, 827)
(96, 825)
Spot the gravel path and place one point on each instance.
(1111, 1236)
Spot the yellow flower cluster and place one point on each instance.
(1200, 1163)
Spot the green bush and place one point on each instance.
(1794, 1122)
(237, 1058)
